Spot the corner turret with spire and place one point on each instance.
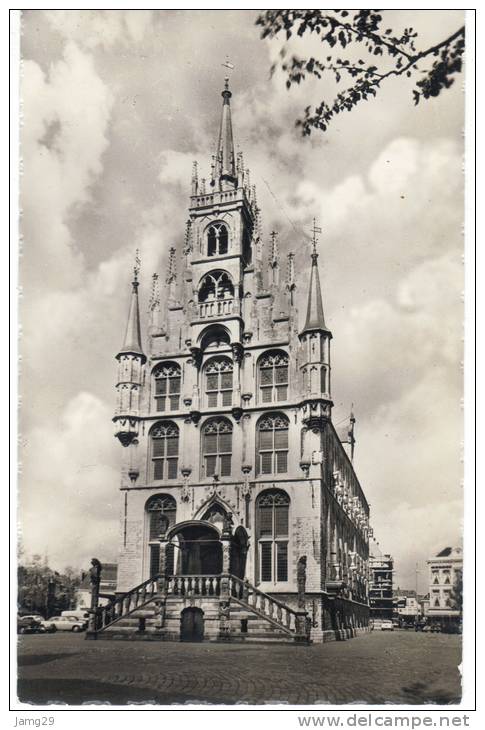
(315, 350)
(131, 359)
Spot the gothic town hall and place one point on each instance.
(241, 517)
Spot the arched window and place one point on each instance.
(167, 387)
(214, 337)
(217, 447)
(165, 449)
(162, 510)
(272, 524)
(216, 285)
(216, 295)
(272, 444)
(273, 377)
(218, 382)
(323, 379)
(217, 240)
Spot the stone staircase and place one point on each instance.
(230, 609)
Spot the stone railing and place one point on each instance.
(192, 585)
(124, 605)
(218, 308)
(291, 621)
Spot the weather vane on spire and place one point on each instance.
(136, 268)
(228, 64)
(315, 230)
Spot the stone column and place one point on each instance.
(162, 566)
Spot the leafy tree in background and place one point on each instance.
(456, 595)
(45, 591)
(388, 54)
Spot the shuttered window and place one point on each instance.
(217, 447)
(272, 525)
(272, 445)
(168, 383)
(219, 382)
(266, 549)
(165, 449)
(162, 510)
(273, 377)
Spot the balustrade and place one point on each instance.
(267, 605)
(193, 585)
(217, 308)
(126, 604)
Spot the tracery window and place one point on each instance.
(217, 240)
(272, 444)
(162, 510)
(218, 382)
(167, 387)
(273, 377)
(272, 520)
(164, 450)
(216, 285)
(217, 447)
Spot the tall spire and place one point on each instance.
(315, 319)
(225, 161)
(132, 341)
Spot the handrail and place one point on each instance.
(262, 593)
(123, 606)
(288, 619)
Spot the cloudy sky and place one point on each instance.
(116, 105)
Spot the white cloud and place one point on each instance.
(104, 28)
(69, 497)
(65, 118)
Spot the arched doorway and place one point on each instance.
(200, 550)
(192, 624)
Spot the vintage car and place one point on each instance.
(30, 625)
(387, 625)
(64, 623)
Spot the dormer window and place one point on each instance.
(217, 240)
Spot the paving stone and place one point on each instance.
(400, 667)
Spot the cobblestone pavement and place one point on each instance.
(400, 668)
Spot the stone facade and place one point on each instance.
(445, 573)
(225, 422)
(381, 569)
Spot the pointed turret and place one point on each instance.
(315, 320)
(315, 351)
(132, 340)
(131, 359)
(225, 161)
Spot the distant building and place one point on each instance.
(380, 584)
(406, 605)
(445, 573)
(107, 586)
(424, 604)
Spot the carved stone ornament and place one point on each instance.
(246, 488)
(237, 351)
(196, 353)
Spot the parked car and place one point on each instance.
(387, 625)
(64, 623)
(79, 614)
(30, 625)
